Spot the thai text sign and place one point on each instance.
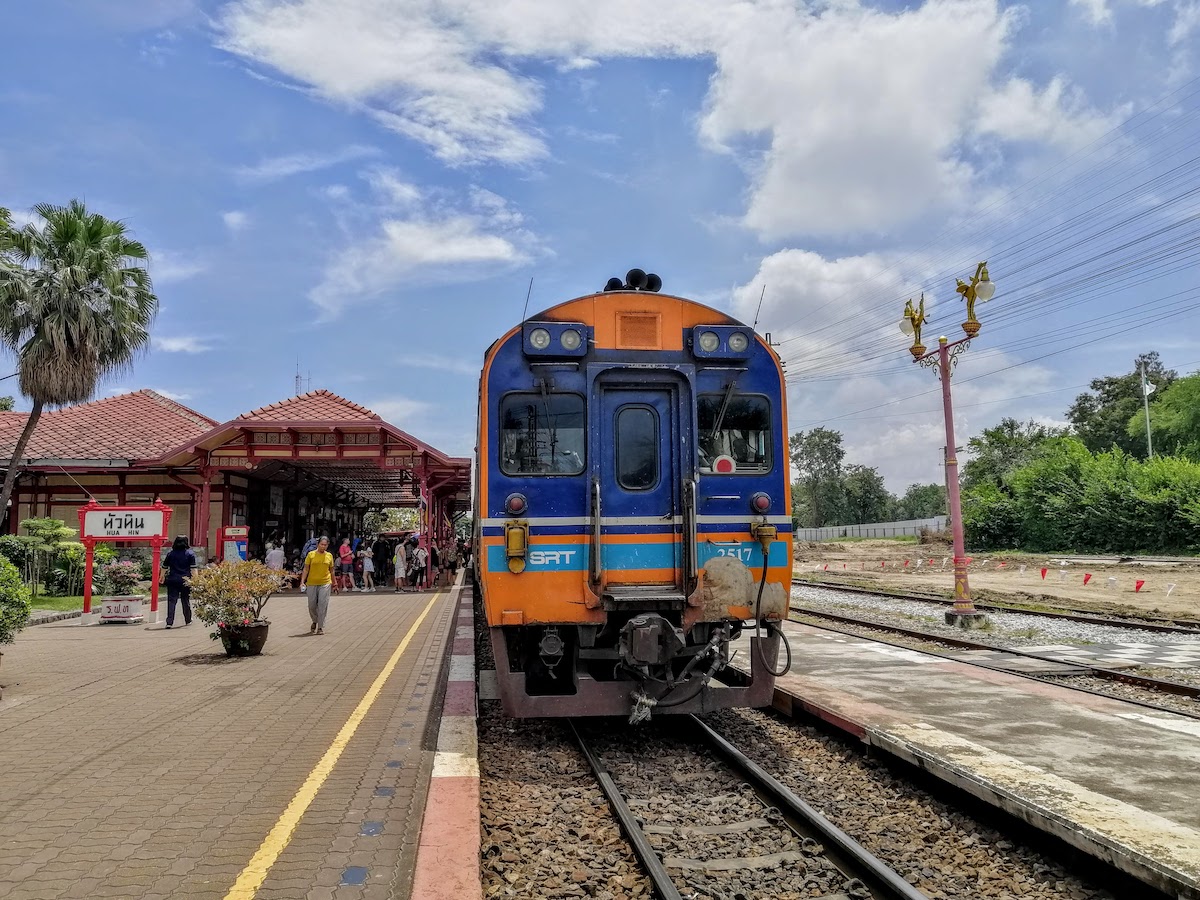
(120, 523)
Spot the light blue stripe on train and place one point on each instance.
(624, 557)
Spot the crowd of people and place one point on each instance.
(364, 566)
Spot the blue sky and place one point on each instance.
(369, 185)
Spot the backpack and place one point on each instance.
(309, 546)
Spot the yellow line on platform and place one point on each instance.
(255, 873)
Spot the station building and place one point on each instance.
(308, 465)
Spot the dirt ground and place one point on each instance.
(860, 563)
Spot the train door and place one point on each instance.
(636, 490)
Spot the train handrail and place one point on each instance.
(691, 533)
(596, 567)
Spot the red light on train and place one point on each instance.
(515, 504)
(760, 503)
(724, 465)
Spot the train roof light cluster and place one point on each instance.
(555, 338)
(635, 280)
(721, 341)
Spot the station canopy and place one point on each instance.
(320, 438)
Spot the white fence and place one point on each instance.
(871, 529)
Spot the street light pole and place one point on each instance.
(981, 288)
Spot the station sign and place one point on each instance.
(118, 524)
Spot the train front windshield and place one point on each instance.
(739, 428)
(542, 434)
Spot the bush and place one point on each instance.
(1067, 498)
(15, 602)
(121, 578)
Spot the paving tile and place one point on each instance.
(137, 743)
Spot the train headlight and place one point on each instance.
(738, 342)
(539, 338)
(515, 504)
(760, 502)
(571, 339)
(709, 341)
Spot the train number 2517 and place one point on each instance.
(742, 553)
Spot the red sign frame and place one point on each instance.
(156, 542)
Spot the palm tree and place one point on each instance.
(74, 307)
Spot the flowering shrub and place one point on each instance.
(121, 578)
(232, 594)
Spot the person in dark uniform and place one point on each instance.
(179, 564)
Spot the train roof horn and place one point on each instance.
(635, 280)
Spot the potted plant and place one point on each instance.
(121, 603)
(231, 597)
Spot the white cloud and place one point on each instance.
(235, 220)
(277, 167)
(457, 364)
(403, 237)
(835, 324)
(168, 266)
(847, 119)
(398, 410)
(182, 344)
(1097, 11)
(21, 218)
(177, 396)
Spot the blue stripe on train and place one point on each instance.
(623, 557)
(703, 528)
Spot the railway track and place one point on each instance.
(1168, 625)
(1141, 681)
(740, 824)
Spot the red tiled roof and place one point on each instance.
(140, 425)
(311, 407)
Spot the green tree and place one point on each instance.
(817, 458)
(74, 306)
(1100, 418)
(1002, 449)
(47, 536)
(378, 520)
(6, 404)
(866, 498)
(1174, 420)
(922, 501)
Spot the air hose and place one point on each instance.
(771, 627)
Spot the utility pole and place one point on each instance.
(1147, 390)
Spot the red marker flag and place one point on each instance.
(931, 560)
(1002, 565)
(1087, 576)
(826, 567)
(1138, 586)
(882, 563)
(906, 564)
(1043, 574)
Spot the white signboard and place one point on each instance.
(121, 609)
(106, 523)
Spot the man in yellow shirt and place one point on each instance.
(318, 577)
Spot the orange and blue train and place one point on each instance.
(632, 506)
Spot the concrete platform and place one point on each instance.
(143, 763)
(1111, 778)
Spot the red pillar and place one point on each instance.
(89, 557)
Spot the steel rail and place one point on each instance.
(847, 855)
(1152, 623)
(852, 858)
(664, 887)
(1156, 684)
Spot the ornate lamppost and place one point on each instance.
(982, 288)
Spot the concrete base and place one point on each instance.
(153, 618)
(92, 618)
(967, 620)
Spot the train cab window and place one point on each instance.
(736, 426)
(542, 434)
(637, 448)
